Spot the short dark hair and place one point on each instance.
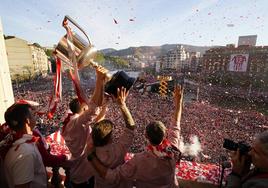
(101, 132)
(75, 106)
(155, 132)
(16, 116)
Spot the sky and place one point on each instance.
(124, 23)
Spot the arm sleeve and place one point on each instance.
(23, 170)
(127, 171)
(125, 139)
(174, 133)
(88, 115)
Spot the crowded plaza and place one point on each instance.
(133, 94)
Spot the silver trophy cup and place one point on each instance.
(85, 54)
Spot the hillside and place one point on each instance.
(153, 50)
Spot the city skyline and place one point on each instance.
(122, 24)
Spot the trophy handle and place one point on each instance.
(78, 26)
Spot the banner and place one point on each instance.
(238, 62)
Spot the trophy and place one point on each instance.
(85, 54)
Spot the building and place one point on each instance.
(194, 60)
(141, 61)
(174, 59)
(40, 60)
(219, 59)
(179, 59)
(243, 66)
(6, 91)
(249, 40)
(25, 60)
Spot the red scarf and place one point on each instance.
(8, 137)
(34, 139)
(165, 150)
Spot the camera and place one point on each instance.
(243, 147)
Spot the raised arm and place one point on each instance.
(102, 113)
(96, 99)
(175, 130)
(121, 101)
(99, 167)
(98, 93)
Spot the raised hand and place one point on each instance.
(101, 73)
(121, 96)
(98, 94)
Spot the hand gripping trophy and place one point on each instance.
(84, 53)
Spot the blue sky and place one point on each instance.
(155, 22)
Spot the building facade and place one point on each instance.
(6, 91)
(174, 59)
(193, 61)
(178, 59)
(25, 60)
(39, 59)
(218, 59)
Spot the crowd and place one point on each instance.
(202, 124)
(256, 94)
(202, 119)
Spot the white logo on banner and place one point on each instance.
(238, 62)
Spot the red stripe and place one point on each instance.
(62, 142)
(55, 137)
(78, 89)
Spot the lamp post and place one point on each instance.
(250, 84)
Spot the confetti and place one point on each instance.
(115, 21)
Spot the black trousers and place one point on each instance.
(87, 184)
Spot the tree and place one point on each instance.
(117, 61)
(100, 58)
(29, 71)
(37, 45)
(49, 52)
